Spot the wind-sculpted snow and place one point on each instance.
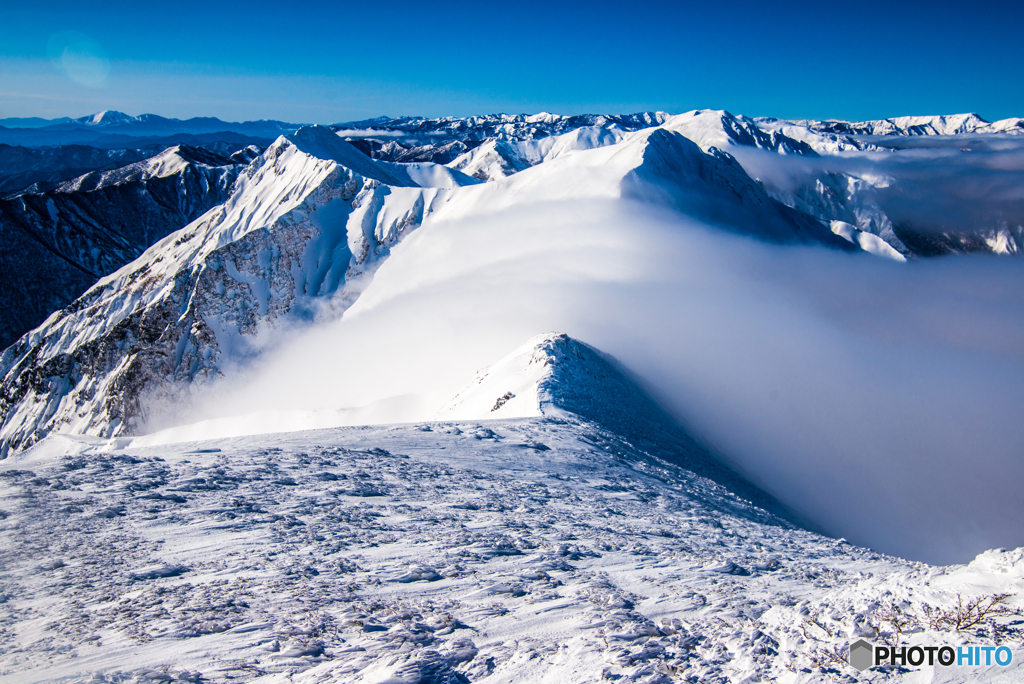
(554, 516)
(299, 233)
(642, 247)
(282, 245)
(544, 549)
(556, 376)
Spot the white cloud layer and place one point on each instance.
(881, 400)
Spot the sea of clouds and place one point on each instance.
(880, 400)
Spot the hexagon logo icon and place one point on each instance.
(861, 653)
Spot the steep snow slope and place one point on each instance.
(554, 375)
(57, 243)
(307, 224)
(659, 166)
(718, 128)
(847, 185)
(495, 159)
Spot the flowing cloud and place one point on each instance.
(932, 184)
(880, 400)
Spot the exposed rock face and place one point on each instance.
(58, 243)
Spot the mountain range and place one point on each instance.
(298, 391)
(88, 227)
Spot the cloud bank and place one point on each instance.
(880, 400)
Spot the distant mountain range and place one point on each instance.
(111, 129)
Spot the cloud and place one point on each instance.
(881, 400)
(958, 184)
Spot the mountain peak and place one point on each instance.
(323, 143)
(107, 117)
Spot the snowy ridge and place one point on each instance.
(502, 126)
(511, 142)
(92, 225)
(495, 159)
(653, 165)
(955, 124)
(194, 299)
(172, 161)
(718, 128)
(312, 218)
(556, 376)
(501, 146)
(307, 225)
(550, 522)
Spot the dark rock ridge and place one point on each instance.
(58, 243)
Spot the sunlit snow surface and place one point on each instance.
(521, 550)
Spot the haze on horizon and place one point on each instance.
(319, 63)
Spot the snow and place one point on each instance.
(516, 550)
(508, 389)
(328, 212)
(107, 118)
(866, 241)
(542, 520)
(496, 159)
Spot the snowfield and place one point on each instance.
(532, 549)
(525, 550)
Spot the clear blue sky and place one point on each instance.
(329, 62)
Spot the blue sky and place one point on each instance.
(325, 63)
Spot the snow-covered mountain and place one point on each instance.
(552, 515)
(855, 183)
(21, 167)
(307, 222)
(956, 124)
(442, 140)
(306, 226)
(59, 242)
(337, 213)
